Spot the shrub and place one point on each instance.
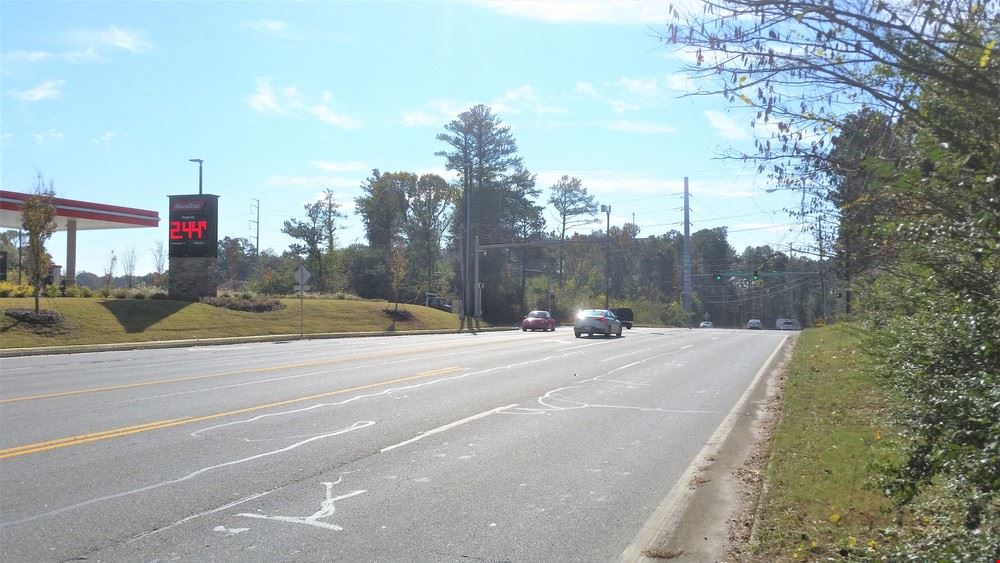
(139, 295)
(121, 293)
(258, 305)
(6, 289)
(85, 291)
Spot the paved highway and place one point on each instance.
(502, 446)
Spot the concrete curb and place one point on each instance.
(159, 344)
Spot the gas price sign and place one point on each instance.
(194, 230)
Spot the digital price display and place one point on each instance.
(193, 226)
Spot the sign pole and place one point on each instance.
(301, 276)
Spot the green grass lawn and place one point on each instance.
(822, 500)
(107, 321)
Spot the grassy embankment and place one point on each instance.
(106, 321)
(822, 500)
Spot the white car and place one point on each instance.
(705, 324)
(596, 321)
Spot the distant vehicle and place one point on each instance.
(625, 315)
(755, 324)
(538, 320)
(705, 324)
(788, 324)
(600, 321)
(432, 300)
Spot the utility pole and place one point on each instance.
(466, 278)
(686, 293)
(255, 206)
(607, 258)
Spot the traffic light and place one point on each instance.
(755, 276)
(718, 276)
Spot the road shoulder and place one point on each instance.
(712, 520)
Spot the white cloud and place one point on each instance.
(348, 166)
(107, 137)
(313, 182)
(643, 86)
(28, 56)
(586, 89)
(681, 83)
(641, 127)
(264, 99)
(628, 94)
(585, 11)
(87, 55)
(621, 106)
(437, 114)
(725, 126)
(522, 99)
(51, 136)
(327, 115)
(274, 26)
(289, 100)
(620, 183)
(118, 37)
(48, 90)
(422, 119)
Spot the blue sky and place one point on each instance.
(110, 100)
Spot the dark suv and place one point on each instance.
(624, 315)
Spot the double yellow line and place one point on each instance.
(26, 449)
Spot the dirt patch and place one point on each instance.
(750, 478)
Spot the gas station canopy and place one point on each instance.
(73, 216)
(86, 215)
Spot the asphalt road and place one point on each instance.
(501, 446)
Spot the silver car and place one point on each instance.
(596, 321)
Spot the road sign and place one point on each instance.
(301, 275)
(298, 287)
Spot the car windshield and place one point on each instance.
(538, 314)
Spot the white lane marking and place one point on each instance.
(387, 391)
(327, 508)
(447, 427)
(688, 346)
(676, 500)
(229, 531)
(626, 366)
(356, 426)
(200, 514)
(549, 400)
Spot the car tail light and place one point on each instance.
(602, 320)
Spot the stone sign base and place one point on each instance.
(193, 278)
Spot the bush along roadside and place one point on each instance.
(838, 484)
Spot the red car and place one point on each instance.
(538, 320)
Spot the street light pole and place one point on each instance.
(607, 258)
(199, 161)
